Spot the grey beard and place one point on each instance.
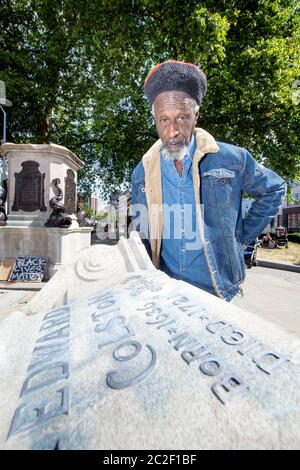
(178, 155)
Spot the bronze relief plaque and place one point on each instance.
(29, 188)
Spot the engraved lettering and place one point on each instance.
(190, 355)
(51, 323)
(248, 348)
(268, 361)
(99, 297)
(172, 331)
(46, 353)
(56, 312)
(199, 310)
(186, 308)
(159, 319)
(60, 333)
(228, 387)
(111, 323)
(147, 306)
(217, 326)
(182, 340)
(166, 324)
(181, 300)
(113, 383)
(153, 311)
(117, 322)
(63, 373)
(97, 316)
(41, 415)
(173, 296)
(135, 344)
(105, 304)
(233, 338)
(211, 367)
(204, 317)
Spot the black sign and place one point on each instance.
(29, 189)
(31, 269)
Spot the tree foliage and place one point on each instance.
(75, 71)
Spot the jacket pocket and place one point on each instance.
(140, 191)
(219, 184)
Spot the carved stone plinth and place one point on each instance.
(58, 245)
(31, 169)
(31, 197)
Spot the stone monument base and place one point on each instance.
(57, 244)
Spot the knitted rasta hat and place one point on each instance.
(179, 76)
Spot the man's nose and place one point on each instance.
(173, 129)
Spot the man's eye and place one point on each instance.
(163, 120)
(181, 118)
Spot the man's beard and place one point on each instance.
(176, 154)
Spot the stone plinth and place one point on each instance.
(132, 359)
(45, 162)
(57, 244)
(31, 171)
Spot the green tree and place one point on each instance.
(75, 72)
(42, 62)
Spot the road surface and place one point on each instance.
(274, 295)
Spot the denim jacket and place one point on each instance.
(221, 174)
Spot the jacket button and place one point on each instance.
(222, 181)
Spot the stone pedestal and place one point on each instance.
(31, 171)
(45, 162)
(57, 244)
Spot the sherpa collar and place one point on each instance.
(151, 162)
(205, 144)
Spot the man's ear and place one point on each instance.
(196, 116)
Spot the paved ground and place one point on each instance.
(274, 295)
(11, 300)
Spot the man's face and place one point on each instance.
(175, 119)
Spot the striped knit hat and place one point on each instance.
(179, 76)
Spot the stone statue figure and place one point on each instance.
(3, 196)
(58, 216)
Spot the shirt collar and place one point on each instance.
(192, 147)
